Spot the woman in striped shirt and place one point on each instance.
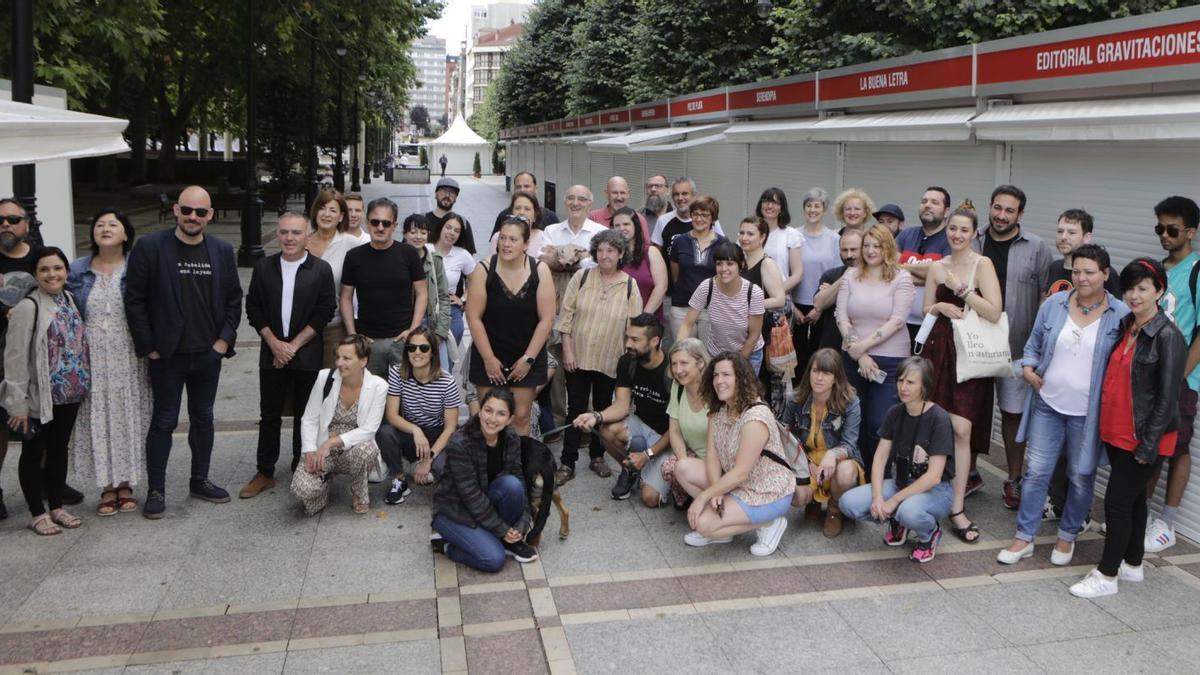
(735, 308)
(421, 413)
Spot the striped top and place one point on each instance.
(596, 315)
(424, 404)
(729, 318)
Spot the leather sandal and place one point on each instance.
(108, 504)
(360, 508)
(44, 527)
(65, 520)
(126, 504)
(969, 534)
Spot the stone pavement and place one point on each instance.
(255, 586)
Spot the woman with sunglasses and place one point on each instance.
(1139, 423)
(437, 310)
(421, 413)
(329, 241)
(1073, 335)
(338, 430)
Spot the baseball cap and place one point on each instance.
(889, 209)
(447, 183)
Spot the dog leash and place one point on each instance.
(556, 430)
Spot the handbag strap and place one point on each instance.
(974, 269)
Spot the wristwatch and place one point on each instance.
(530, 359)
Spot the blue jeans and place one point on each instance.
(919, 513)
(876, 399)
(756, 359)
(456, 323)
(200, 373)
(1050, 435)
(474, 546)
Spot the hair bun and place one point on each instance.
(967, 205)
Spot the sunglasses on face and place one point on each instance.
(1171, 230)
(189, 210)
(12, 219)
(376, 222)
(417, 348)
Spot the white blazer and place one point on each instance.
(314, 427)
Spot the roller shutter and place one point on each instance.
(551, 163)
(539, 159)
(563, 167)
(794, 168)
(580, 169)
(601, 171)
(631, 167)
(671, 164)
(900, 173)
(719, 170)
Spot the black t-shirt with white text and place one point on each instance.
(650, 389)
(383, 280)
(917, 438)
(195, 297)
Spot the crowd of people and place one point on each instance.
(851, 373)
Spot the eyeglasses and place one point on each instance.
(12, 219)
(417, 348)
(189, 210)
(377, 222)
(1171, 230)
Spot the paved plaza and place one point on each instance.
(254, 586)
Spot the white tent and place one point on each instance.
(459, 144)
(34, 133)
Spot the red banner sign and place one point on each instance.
(793, 93)
(698, 105)
(940, 74)
(615, 117)
(649, 113)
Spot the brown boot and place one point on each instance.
(255, 486)
(833, 522)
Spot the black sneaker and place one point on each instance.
(203, 488)
(155, 506)
(71, 496)
(974, 483)
(3, 508)
(437, 542)
(520, 551)
(399, 491)
(626, 482)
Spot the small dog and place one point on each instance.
(539, 467)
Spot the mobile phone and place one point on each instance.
(878, 376)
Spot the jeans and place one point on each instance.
(876, 400)
(1050, 435)
(199, 372)
(474, 546)
(919, 513)
(384, 352)
(273, 387)
(756, 359)
(395, 446)
(43, 464)
(580, 385)
(456, 323)
(1125, 510)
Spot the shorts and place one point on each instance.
(652, 474)
(641, 436)
(1187, 420)
(1011, 392)
(759, 515)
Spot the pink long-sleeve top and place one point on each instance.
(867, 305)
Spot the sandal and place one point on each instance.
(44, 527)
(108, 506)
(360, 508)
(65, 520)
(969, 534)
(126, 504)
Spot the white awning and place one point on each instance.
(681, 145)
(770, 131)
(1145, 119)
(640, 139)
(909, 126)
(33, 133)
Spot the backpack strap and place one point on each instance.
(583, 279)
(708, 298)
(1192, 286)
(749, 288)
(628, 287)
(328, 385)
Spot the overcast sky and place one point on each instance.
(456, 17)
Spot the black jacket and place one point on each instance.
(1159, 357)
(461, 491)
(313, 305)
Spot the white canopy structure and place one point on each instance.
(34, 133)
(459, 144)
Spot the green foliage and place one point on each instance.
(476, 166)
(483, 120)
(497, 160)
(603, 43)
(423, 155)
(419, 116)
(531, 85)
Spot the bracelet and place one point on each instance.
(599, 416)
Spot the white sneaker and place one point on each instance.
(694, 538)
(768, 537)
(1128, 572)
(1159, 536)
(1062, 559)
(1094, 585)
(1007, 557)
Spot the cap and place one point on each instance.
(447, 183)
(891, 210)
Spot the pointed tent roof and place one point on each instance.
(460, 133)
(35, 133)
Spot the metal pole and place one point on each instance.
(355, 186)
(251, 248)
(310, 173)
(24, 176)
(367, 147)
(339, 181)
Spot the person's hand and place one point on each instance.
(813, 316)
(281, 351)
(948, 310)
(827, 467)
(568, 360)
(879, 509)
(856, 350)
(18, 423)
(867, 366)
(694, 511)
(154, 356)
(519, 370)
(585, 421)
(513, 536)
(220, 346)
(638, 460)
(421, 474)
(422, 443)
(1032, 378)
(314, 462)
(495, 371)
(403, 337)
(718, 504)
(455, 300)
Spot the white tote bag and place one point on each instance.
(980, 346)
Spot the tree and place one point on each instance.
(531, 85)
(596, 77)
(419, 116)
(476, 166)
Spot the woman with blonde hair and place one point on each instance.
(329, 219)
(851, 208)
(688, 418)
(872, 307)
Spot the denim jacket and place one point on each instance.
(841, 431)
(1039, 351)
(80, 280)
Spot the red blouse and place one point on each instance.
(1116, 404)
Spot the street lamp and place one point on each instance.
(251, 248)
(763, 8)
(355, 186)
(24, 176)
(339, 181)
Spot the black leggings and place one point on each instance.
(1125, 510)
(580, 384)
(43, 481)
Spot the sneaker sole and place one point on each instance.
(623, 497)
(393, 503)
(211, 500)
(520, 559)
(153, 516)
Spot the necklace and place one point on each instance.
(1088, 309)
(1133, 332)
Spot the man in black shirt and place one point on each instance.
(445, 196)
(183, 302)
(526, 183)
(633, 428)
(390, 280)
(850, 245)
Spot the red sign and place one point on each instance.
(698, 105)
(571, 124)
(649, 113)
(1156, 47)
(556, 125)
(941, 74)
(793, 93)
(616, 117)
(589, 121)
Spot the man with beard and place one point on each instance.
(922, 246)
(656, 198)
(525, 183)
(445, 195)
(633, 428)
(849, 248)
(1021, 260)
(183, 301)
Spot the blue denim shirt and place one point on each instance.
(841, 431)
(80, 280)
(1039, 350)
